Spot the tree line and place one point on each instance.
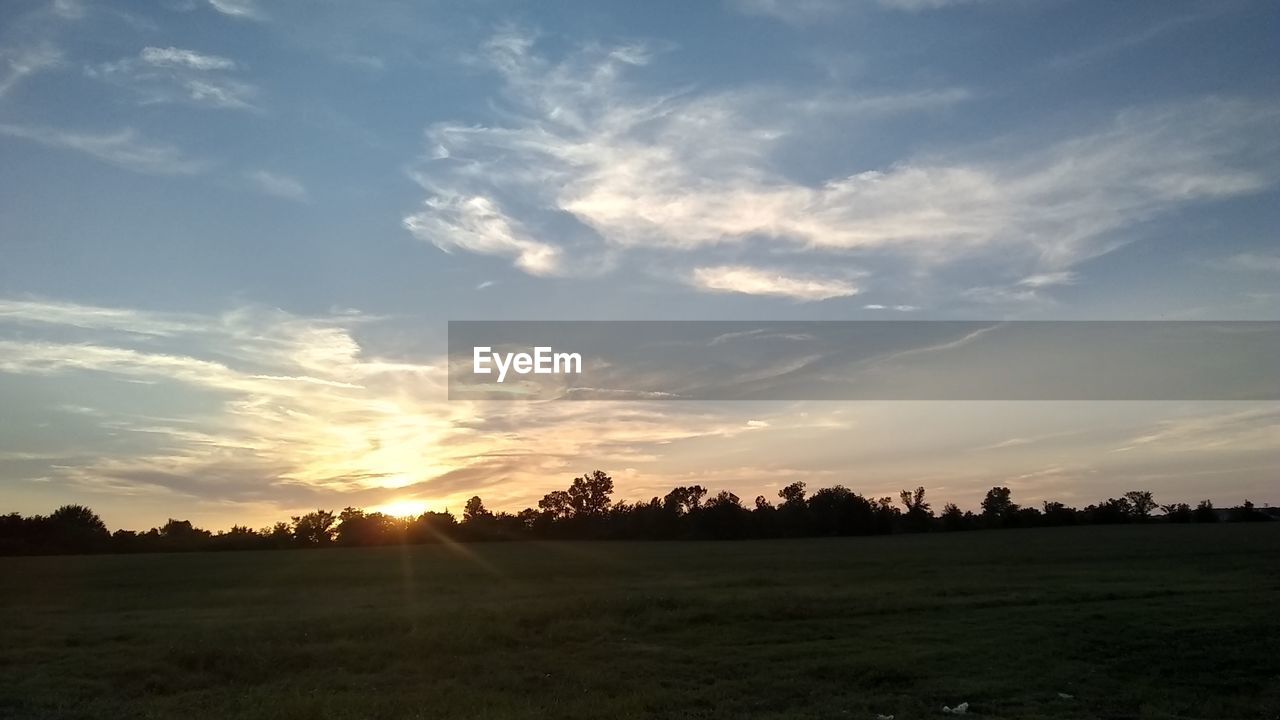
(586, 510)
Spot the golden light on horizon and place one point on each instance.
(402, 508)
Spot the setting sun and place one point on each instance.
(403, 508)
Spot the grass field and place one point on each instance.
(1149, 622)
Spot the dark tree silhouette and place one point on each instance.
(475, 510)
(314, 528)
(792, 495)
(76, 528)
(1111, 511)
(586, 510)
(1056, 513)
(953, 518)
(918, 512)
(998, 507)
(557, 504)
(589, 495)
(1141, 504)
(684, 500)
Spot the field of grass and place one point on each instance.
(1131, 622)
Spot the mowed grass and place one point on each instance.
(1133, 622)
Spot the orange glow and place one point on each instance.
(403, 508)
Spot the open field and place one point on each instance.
(1150, 622)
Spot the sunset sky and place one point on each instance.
(232, 234)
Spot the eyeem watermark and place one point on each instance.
(542, 361)
(865, 360)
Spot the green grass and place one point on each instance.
(1134, 622)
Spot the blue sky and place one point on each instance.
(231, 233)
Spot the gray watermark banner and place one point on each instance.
(864, 360)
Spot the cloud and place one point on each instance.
(1256, 428)
(256, 413)
(87, 317)
(587, 164)
(895, 308)
(365, 62)
(242, 9)
(25, 62)
(123, 148)
(278, 185)
(176, 57)
(797, 12)
(476, 224)
(917, 5)
(68, 9)
(289, 411)
(1253, 262)
(176, 75)
(807, 12)
(1118, 44)
(757, 281)
(1043, 280)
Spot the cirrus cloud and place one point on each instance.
(757, 281)
(588, 164)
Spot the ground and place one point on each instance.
(1130, 622)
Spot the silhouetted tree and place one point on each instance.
(279, 535)
(1056, 513)
(314, 528)
(1141, 503)
(792, 495)
(475, 510)
(589, 495)
(556, 505)
(432, 527)
(998, 507)
(76, 528)
(723, 517)
(1110, 512)
(684, 500)
(356, 528)
(793, 513)
(918, 513)
(586, 509)
(953, 518)
(178, 536)
(239, 537)
(1246, 512)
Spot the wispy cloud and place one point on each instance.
(1042, 280)
(1120, 43)
(177, 75)
(701, 171)
(278, 185)
(24, 62)
(759, 281)
(303, 410)
(475, 224)
(807, 12)
(175, 57)
(1253, 262)
(242, 9)
(1255, 428)
(124, 148)
(68, 9)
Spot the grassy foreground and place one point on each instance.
(1132, 622)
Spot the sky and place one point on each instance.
(232, 233)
